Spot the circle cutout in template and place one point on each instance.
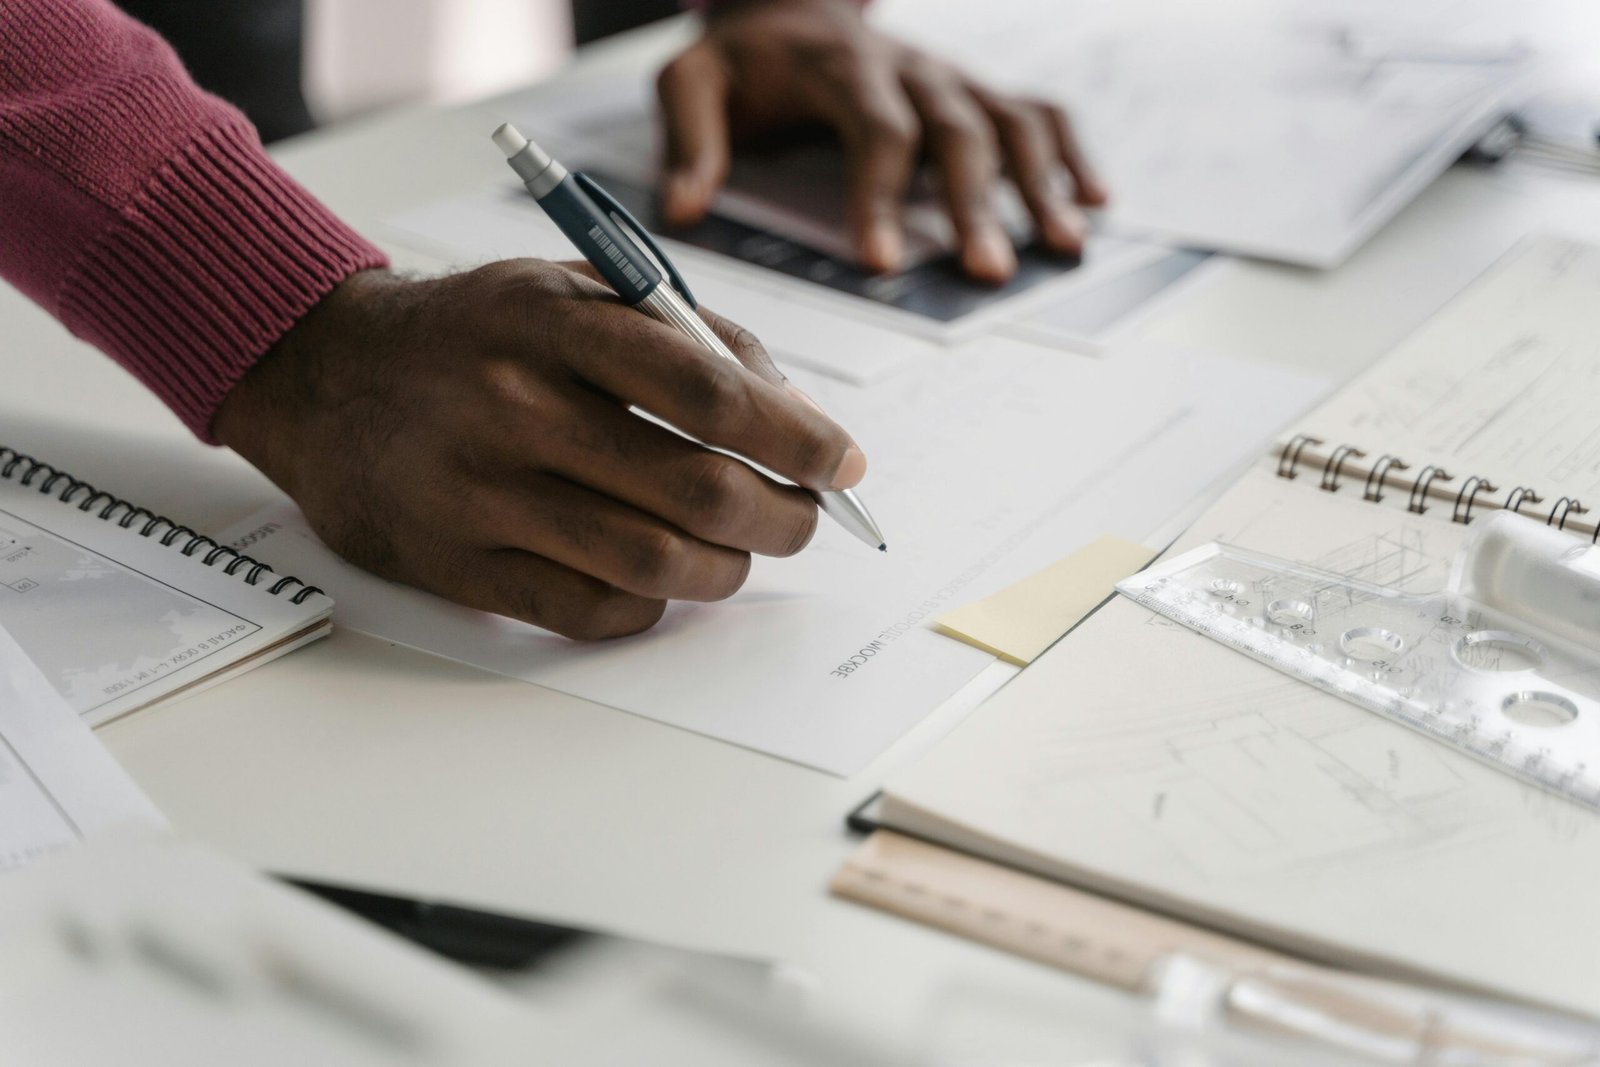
(1291, 612)
(1371, 644)
(1545, 710)
(1498, 650)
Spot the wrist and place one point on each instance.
(317, 365)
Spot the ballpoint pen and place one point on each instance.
(600, 228)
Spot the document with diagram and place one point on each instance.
(120, 607)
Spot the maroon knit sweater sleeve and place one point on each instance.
(143, 214)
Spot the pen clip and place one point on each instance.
(625, 218)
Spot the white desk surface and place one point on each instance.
(359, 762)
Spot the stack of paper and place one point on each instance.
(1285, 130)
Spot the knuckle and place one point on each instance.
(719, 324)
(924, 69)
(505, 387)
(815, 457)
(559, 280)
(972, 206)
(1013, 117)
(534, 298)
(715, 388)
(714, 495)
(958, 124)
(802, 532)
(736, 577)
(516, 279)
(501, 274)
(581, 528)
(891, 129)
(1029, 144)
(742, 340)
(655, 563)
(837, 60)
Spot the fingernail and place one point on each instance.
(882, 250)
(990, 256)
(1092, 192)
(683, 197)
(851, 470)
(1065, 228)
(854, 465)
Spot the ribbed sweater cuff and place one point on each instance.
(206, 269)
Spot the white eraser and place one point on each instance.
(510, 139)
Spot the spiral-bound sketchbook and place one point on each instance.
(120, 607)
(1143, 760)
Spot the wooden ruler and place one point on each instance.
(1093, 936)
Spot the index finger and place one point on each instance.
(714, 399)
(694, 102)
(744, 344)
(879, 128)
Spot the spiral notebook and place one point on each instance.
(120, 607)
(1141, 760)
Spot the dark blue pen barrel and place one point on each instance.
(590, 228)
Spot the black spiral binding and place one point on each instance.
(1290, 458)
(64, 487)
(1331, 469)
(1379, 477)
(1519, 496)
(1564, 507)
(1470, 489)
(1417, 502)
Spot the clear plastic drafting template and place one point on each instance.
(1501, 664)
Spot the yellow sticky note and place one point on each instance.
(1024, 619)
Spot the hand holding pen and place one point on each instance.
(645, 280)
(476, 436)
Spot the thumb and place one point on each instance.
(694, 105)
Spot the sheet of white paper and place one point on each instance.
(58, 786)
(988, 461)
(1290, 130)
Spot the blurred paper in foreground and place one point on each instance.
(58, 786)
